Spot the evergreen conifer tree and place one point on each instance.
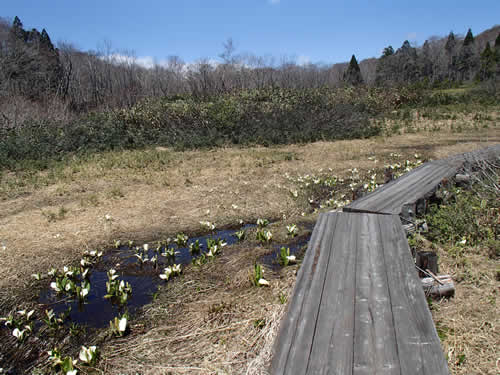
(32, 65)
(17, 29)
(353, 75)
(487, 69)
(496, 50)
(450, 43)
(407, 68)
(45, 41)
(468, 59)
(33, 37)
(385, 67)
(451, 57)
(469, 38)
(388, 51)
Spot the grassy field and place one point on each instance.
(211, 319)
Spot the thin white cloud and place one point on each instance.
(147, 62)
(303, 60)
(274, 2)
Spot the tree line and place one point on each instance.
(32, 68)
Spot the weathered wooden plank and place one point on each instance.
(386, 194)
(405, 190)
(288, 327)
(364, 354)
(414, 185)
(340, 357)
(419, 347)
(370, 200)
(364, 311)
(404, 194)
(375, 349)
(331, 304)
(304, 337)
(420, 186)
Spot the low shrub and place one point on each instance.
(266, 117)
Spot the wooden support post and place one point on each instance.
(462, 179)
(427, 260)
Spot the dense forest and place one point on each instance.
(102, 99)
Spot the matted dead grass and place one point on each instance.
(469, 324)
(208, 322)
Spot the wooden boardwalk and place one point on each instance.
(358, 306)
(418, 184)
(405, 191)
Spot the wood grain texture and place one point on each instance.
(305, 330)
(332, 304)
(418, 344)
(374, 329)
(361, 308)
(286, 337)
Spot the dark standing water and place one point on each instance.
(271, 259)
(144, 279)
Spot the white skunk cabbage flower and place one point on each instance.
(88, 355)
(263, 282)
(112, 274)
(67, 271)
(121, 286)
(54, 286)
(18, 334)
(52, 272)
(141, 258)
(166, 273)
(84, 292)
(122, 325)
(208, 225)
(85, 273)
(291, 259)
(176, 268)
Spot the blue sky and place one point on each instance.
(313, 30)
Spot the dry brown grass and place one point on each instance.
(208, 322)
(440, 119)
(468, 323)
(153, 193)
